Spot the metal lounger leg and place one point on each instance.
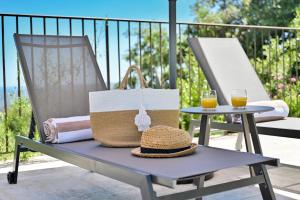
(266, 188)
(200, 184)
(146, 188)
(239, 142)
(12, 177)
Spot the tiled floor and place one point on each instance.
(69, 182)
(55, 180)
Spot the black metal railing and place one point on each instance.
(118, 43)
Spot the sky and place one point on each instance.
(128, 9)
(132, 9)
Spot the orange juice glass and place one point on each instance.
(239, 98)
(209, 100)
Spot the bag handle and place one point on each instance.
(126, 77)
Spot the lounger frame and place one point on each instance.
(142, 180)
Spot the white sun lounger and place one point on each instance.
(226, 67)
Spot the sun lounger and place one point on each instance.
(116, 163)
(226, 67)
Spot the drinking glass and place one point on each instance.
(239, 98)
(209, 100)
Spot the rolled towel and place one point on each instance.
(281, 110)
(70, 129)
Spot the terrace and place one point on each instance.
(119, 43)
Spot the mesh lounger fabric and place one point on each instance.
(205, 160)
(59, 71)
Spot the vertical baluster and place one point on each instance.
(276, 58)
(283, 62)
(160, 56)
(18, 72)
(198, 69)
(4, 80)
(107, 53)
(151, 64)
(31, 51)
(180, 63)
(95, 47)
(45, 62)
(254, 48)
(297, 68)
(58, 63)
(190, 70)
(262, 54)
(44, 25)
(290, 66)
(129, 43)
(82, 27)
(269, 61)
(129, 51)
(71, 63)
(95, 37)
(70, 27)
(83, 55)
(140, 46)
(247, 42)
(119, 55)
(57, 26)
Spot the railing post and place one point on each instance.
(172, 43)
(107, 53)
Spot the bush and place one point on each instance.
(17, 122)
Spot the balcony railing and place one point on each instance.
(118, 43)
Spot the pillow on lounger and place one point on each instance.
(281, 110)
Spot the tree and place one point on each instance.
(270, 12)
(15, 123)
(260, 46)
(218, 11)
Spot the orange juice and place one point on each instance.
(209, 102)
(239, 101)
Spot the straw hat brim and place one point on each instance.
(192, 149)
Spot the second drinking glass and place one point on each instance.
(239, 98)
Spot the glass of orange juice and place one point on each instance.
(209, 100)
(239, 98)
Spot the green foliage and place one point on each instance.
(218, 11)
(154, 60)
(15, 123)
(270, 13)
(279, 71)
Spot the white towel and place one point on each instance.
(281, 110)
(70, 129)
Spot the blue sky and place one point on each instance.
(129, 9)
(133, 9)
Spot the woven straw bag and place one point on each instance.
(113, 112)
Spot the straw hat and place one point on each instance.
(164, 142)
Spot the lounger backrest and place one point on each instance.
(59, 72)
(227, 67)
